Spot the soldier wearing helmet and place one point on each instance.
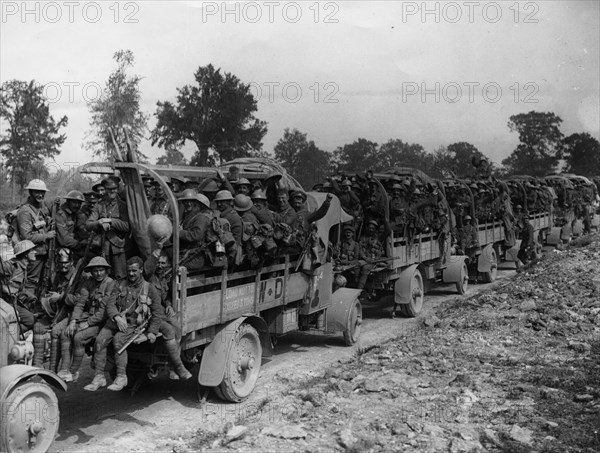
(111, 219)
(224, 201)
(70, 224)
(371, 249)
(243, 206)
(242, 186)
(399, 208)
(34, 224)
(284, 213)
(195, 222)
(159, 204)
(99, 189)
(14, 279)
(348, 198)
(91, 198)
(86, 318)
(260, 209)
(347, 252)
(467, 235)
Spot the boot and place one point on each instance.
(65, 352)
(99, 381)
(78, 352)
(119, 384)
(173, 350)
(54, 358)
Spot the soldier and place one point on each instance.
(156, 268)
(110, 218)
(159, 205)
(243, 206)
(195, 222)
(134, 306)
(347, 252)
(285, 213)
(91, 198)
(87, 317)
(373, 205)
(398, 209)
(527, 249)
(34, 224)
(304, 218)
(99, 189)
(349, 200)
(14, 278)
(224, 201)
(370, 250)
(176, 185)
(70, 226)
(260, 210)
(150, 194)
(58, 304)
(466, 235)
(242, 186)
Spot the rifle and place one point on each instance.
(76, 277)
(139, 331)
(48, 269)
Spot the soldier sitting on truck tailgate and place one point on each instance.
(156, 270)
(347, 252)
(87, 317)
(134, 307)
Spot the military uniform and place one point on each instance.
(14, 273)
(286, 214)
(70, 227)
(235, 223)
(371, 248)
(263, 214)
(194, 226)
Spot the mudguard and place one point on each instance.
(553, 238)
(214, 357)
(511, 253)
(484, 261)
(402, 285)
(13, 375)
(452, 272)
(339, 311)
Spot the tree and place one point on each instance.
(217, 114)
(302, 158)
(363, 154)
(172, 156)
(541, 143)
(118, 108)
(458, 159)
(582, 154)
(396, 153)
(30, 133)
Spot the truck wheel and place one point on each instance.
(353, 325)
(243, 365)
(490, 276)
(463, 283)
(29, 419)
(414, 307)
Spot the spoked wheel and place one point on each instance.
(30, 418)
(353, 325)
(415, 295)
(490, 276)
(243, 365)
(463, 283)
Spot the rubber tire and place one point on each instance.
(27, 396)
(231, 389)
(463, 284)
(353, 325)
(417, 291)
(489, 277)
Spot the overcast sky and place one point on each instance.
(432, 73)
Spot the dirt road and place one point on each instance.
(163, 414)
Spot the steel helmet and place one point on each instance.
(23, 246)
(211, 186)
(259, 195)
(49, 308)
(396, 186)
(75, 195)
(37, 184)
(242, 181)
(188, 194)
(467, 217)
(98, 261)
(327, 185)
(159, 226)
(63, 255)
(346, 182)
(242, 203)
(224, 195)
(299, 194)
(203, 199)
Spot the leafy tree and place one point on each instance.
(396, 153)
(217, 114)
(302, 158)
(458, 159)
(541, 143)
(361, 155)
(582, 154)
(29, 133)
(172, 156)
(118, 108)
